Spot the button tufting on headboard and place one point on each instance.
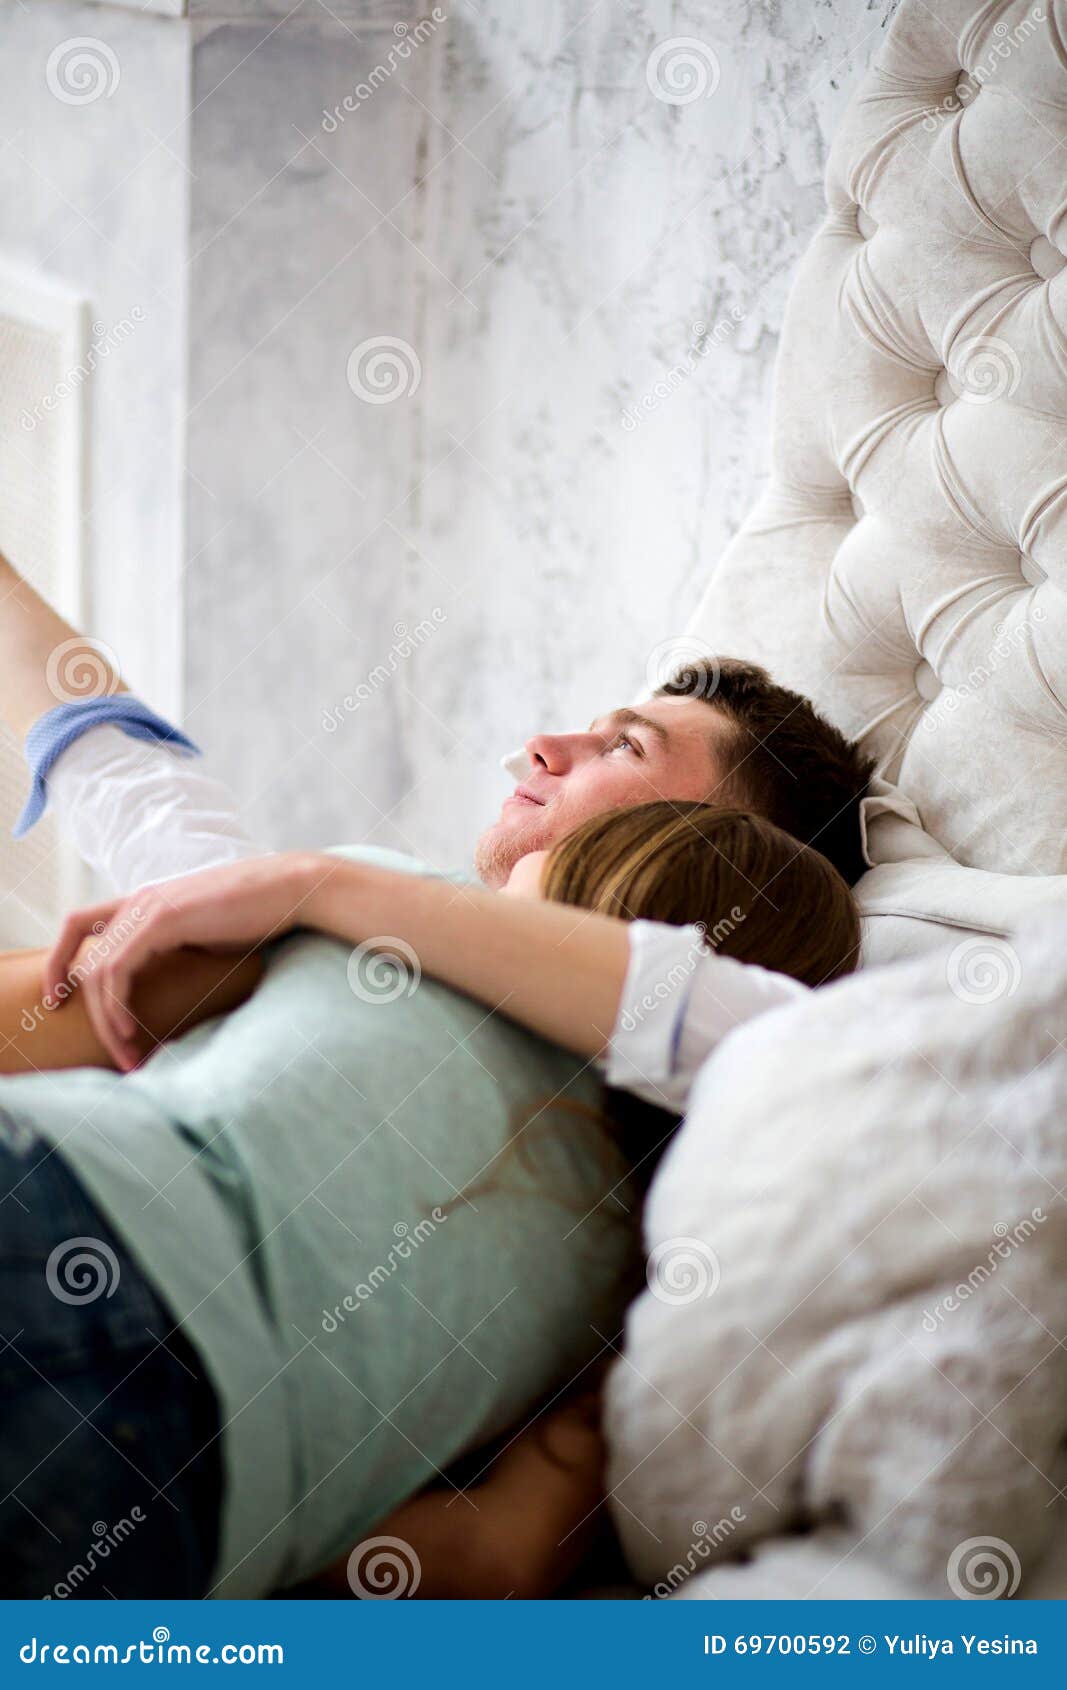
(927, 684)
(929, 367)
(1045, 259)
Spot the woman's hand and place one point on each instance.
(232, 908)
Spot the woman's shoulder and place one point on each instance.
(382, 856)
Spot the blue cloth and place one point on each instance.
(58, 728)
(110, 1467)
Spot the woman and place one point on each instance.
(689, 875)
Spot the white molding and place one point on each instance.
(46, 304)
(39, 301)
(371, 14)
(163, 8)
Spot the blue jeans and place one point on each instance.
(110, 1474)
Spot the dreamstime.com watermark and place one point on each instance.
(82, 69)
(408, 37)
(384, 1569)
(682, 70)
(983, 1569)
(1008, 1239)
(705, 1539)
(1007, 641)
(983, 970)
(1006, 39)
(84, 965)
(105, 341)
(703, 342)
(81, 1270)
(676, 976)
(405, 644)
(157, 1651)
(408, 1240)
(105, 1539)
(685, 663)
(383, 368)
(682, 1270)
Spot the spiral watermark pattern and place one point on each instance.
(383, 1569)
(984, 1569)
(382, 369)
(682, 1270)
(983, 970)
(82, 70)
(79, 669)
(682, 70)
(383, 969)
(81, 1270)
(685, 663)
(986, 369)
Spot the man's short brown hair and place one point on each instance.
(784, 760)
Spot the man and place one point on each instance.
(722, 731)
(234, 1229)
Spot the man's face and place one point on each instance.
(663, 748)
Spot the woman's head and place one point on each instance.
(761, 896)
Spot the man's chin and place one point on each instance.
(499, 849)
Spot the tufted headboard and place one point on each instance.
(907, 564)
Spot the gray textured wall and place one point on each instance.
(580, 234)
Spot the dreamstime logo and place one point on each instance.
(1008, 1239)
(686, 663)
(104, 341)
(383, 969)
(82, 1269)
(408, 1240)
(682, 1270)
(682, 70)
(983, 970)
(703, 343)
(679, 972)
(408, 37)
(984, 1569)
(79, 669)
(382, 369)
(986, 369)
(383, 1569)
(82, 70)
(1005, 40)
(1005, 643)
(705, 1539)
(89, 958)
(106, 1538)
(405, 643)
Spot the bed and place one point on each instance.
(846, 1375)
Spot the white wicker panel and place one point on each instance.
(42, 394)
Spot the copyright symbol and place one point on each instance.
(867, 1645)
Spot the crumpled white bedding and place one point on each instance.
(857, 1308)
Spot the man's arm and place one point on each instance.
(31, 633)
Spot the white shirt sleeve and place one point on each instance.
(138, 812)
(679, 1000)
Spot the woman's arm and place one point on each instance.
(555, 968)
(173, 994)
(31, 636)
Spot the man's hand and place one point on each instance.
(232, 908)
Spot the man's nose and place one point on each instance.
(558, 754)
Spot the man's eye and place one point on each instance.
(623, 741)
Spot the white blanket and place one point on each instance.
(858, 1293)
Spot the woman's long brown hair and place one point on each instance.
(759, 895)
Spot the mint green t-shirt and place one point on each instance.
(325, 1189)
